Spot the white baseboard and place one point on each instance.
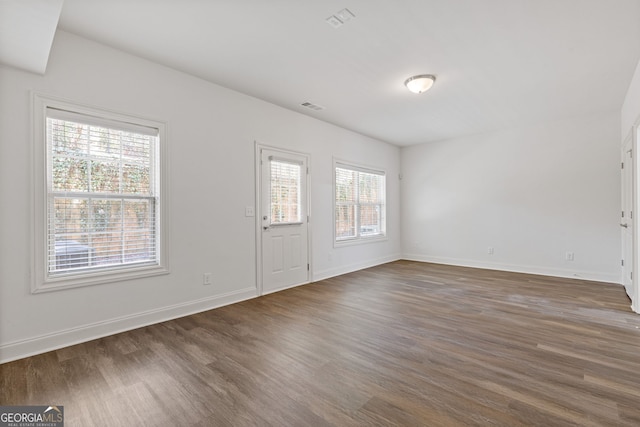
(44, 343)
(528, 269)
(56, 340)
(332, 272)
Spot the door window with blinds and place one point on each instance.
(359, 203)
(103, 206)
(285, 203)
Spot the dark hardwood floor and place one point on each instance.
(405, 343)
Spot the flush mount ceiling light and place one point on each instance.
(421, 83)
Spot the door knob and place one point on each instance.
(265, 227)
(624, 225)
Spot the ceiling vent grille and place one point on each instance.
(311, 106)
(340, 18)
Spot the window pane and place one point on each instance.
(370, 220)
(370, 188)
(345, 221)
(139, 223)
(104, 143)
(105, 177)
(285, 194)
(138, 246)
(70, 174)
(67, 137)
(138, 215)
(136, 179)
(136, 147)
(106, 216)
(71, 218)
(108, 249)
(345, 185)
(106, 235)
(70, 253)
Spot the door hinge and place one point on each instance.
(622, 214)
(622, 262)
(631, 275)
(622, 165)
(307, 267)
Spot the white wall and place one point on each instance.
(631, 107)
(532, 194)
(211, 144)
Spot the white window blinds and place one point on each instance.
(285, 200)
(102, 193)
(359, 203)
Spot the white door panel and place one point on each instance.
(283, 214)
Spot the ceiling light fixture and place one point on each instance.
(421, 83)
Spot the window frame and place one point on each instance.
(299, 164)
(42, 280)
(359, 238)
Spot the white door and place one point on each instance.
(284, 219)
(626, 220)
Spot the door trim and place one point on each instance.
(626, 220)
(635, 203)
(258, 211)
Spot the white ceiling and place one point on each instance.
(26, 32)
(499, 63)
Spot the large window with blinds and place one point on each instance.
(102, 208)
(360, 211)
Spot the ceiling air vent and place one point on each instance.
(340, 18)
(312, 106)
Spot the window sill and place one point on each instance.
(359, 241)
(96, 278)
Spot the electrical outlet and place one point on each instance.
(568, 256)
(206, 279)
(490, 250)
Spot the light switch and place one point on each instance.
(248, 211)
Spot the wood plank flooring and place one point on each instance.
(405, 343)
